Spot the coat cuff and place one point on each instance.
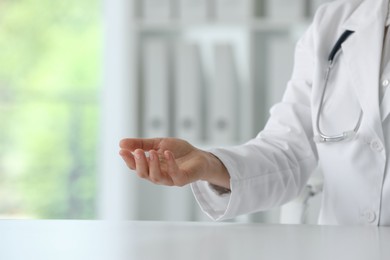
(212, 202)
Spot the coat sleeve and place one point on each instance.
(273, 168)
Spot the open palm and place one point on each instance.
(165, 161)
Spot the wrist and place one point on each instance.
(215, 172)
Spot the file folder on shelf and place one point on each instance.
(189, 85)
(224, 97)
(165, 204)
(156, 91)
(193, 10)
(233, 9)
(156, 10)
(286, 10)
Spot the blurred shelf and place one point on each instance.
(261, 24)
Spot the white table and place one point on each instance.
(96, 240)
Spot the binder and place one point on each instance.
(286, 10)
(163, 203)
(280, 49)
(194, 10)
(156, 10)
(156, 95)
(188, 89)
(233, 9)
(224, 97)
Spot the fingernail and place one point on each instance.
(137, 155)
(167, 155)
(151, 155)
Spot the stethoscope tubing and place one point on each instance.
(321, 137)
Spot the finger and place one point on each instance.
(138, 143)
(141, 162)
(128, 158)
(173, 170)
(155, 172)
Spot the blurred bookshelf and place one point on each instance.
(249, 27)
(241, 54)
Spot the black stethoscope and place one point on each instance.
(321, 137)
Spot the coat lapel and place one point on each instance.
(363, 51)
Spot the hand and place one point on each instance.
(172, 162)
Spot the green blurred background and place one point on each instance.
(50, 79)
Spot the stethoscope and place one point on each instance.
(321, 136)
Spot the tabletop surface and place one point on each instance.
(98, 240)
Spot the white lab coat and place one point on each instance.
(274, 167)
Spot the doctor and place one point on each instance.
(335, 113)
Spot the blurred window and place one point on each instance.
(50, 75)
